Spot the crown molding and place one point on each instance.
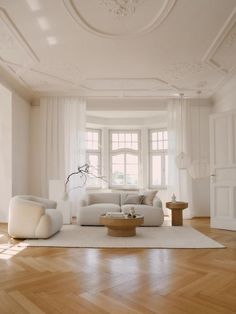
(12, 84)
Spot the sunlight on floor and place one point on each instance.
(8, 251)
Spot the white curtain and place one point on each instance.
(179, 181)
(63, 122)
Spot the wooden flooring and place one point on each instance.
(164, 281)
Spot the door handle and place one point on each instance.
(212, 176)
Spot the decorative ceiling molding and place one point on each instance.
(121, 7)
(102, 21)
(40, 81)
(222, 53)
(65, 70)
(124, 84)
(11, 40)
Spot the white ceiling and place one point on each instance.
(87, 47)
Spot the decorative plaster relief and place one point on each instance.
(97, 19)
(40, 81)
(222, 53)
(69, 72)
(13, 46)
(125, 84)
(191, 75)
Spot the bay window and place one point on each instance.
(158, 154)
(93, 156)
(124, 158)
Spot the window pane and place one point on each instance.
(129, 145)
(115, 145)
(95, 145)
(154, 136)
(121, 137)
(160, 136)
(165, 135)
(132, 169)
(166, 170)
(134, 137)
(156, 170)
(93, 160)
(165, 144)
(131, 159)
(89, 145)
(135, 146)
(128, 137)
(154, 145)
(131, 179)
(121, 145)
(160, 145)
(89, 136)
(115, 137)
(118, 159)
(117, 174)
(95, 136)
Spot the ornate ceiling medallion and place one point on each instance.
(133, 17)
(121, 7)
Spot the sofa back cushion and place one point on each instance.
(97, 198)
(133, 199)
(148, 197)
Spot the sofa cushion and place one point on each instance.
(133, 199)
(98, 198)
(148, 197)
(106, 206)
(90, 215)
(127, 207)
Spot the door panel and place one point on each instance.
(222, 201)
(221, 144)
(234, 137)
(223, 170)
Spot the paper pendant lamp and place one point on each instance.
(182, 161)
(199, 169)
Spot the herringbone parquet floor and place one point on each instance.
(178, 281)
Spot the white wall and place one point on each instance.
(34, 155)
(225, 98)
(6, 152)
(20, 144)
(14, 143)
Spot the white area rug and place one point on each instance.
(147, 237)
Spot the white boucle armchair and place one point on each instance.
(33, 217)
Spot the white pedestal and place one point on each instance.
(56, 193)
(56, 190)
(65, 208)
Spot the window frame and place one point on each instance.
(163, 153)
(97, 152)
(124, 151)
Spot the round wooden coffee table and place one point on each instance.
(121, 227)
(177, 212)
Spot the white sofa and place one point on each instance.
(33, 217)
(97, 204)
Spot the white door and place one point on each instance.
(223, 170)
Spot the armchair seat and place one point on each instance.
(33, 217)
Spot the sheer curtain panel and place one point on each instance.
(63, 122)
(179, 181)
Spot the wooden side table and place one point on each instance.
(177, 212)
